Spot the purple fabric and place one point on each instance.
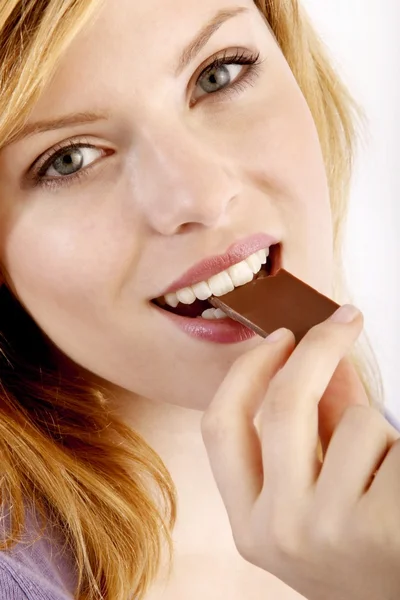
(36, 570)
(20, 582)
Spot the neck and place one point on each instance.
(174, 433)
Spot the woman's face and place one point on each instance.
(185, 165)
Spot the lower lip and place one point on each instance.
(218, 331)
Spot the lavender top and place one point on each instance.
(21, 581)
(36, 570)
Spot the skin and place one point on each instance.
(180, 176)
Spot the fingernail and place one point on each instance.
(345, 314)
(276, 335)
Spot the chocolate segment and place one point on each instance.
(280, 300)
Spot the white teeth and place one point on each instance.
(172, 300)
(214, 313)
(221, 284)
(254, 262)
(208, 314)
(202, 290)
(186, 295)
(263, 255)
(241, 273)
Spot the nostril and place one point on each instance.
(187, 228)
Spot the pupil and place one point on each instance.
(69, 163)
(218, 77)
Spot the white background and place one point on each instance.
(362, 36)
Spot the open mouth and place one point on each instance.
(193, 302)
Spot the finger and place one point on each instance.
(344, 389)
(228, 429)
(357, 448)
(289, 419)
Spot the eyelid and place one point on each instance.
(33, 177)
(220, 55)
(51, 153)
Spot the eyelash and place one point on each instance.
(240, 84)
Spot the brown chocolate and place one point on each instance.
(280, 300)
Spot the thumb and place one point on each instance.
(344, 389)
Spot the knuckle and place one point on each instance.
(213, 426)
(360, 415)
(248, 541)
(281, 399)
(318, 334)
(280, 394)
(246, 548)
(326, 333)
(324, 532)
(323, 335)
(284, 537)
(281, 540)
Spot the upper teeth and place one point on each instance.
(220, 284)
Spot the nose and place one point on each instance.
(181, 181)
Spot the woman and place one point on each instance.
(136, 166)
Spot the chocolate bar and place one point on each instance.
(271, 302)
(281, 300)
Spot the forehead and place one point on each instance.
(169, 18)
(130, 42)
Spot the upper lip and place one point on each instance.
(203, 270)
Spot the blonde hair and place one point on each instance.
(59, 443)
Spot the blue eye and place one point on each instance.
(68, 163)
(217, 78)
(70, 160)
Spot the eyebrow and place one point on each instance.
(197, 44)
(81, 118)
(188, 55)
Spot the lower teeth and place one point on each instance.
(214, 313)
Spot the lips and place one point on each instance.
(203, 270)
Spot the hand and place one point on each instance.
(329, 530)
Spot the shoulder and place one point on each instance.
(19, 582)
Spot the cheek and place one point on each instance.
(59, 269)
(279, 144)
